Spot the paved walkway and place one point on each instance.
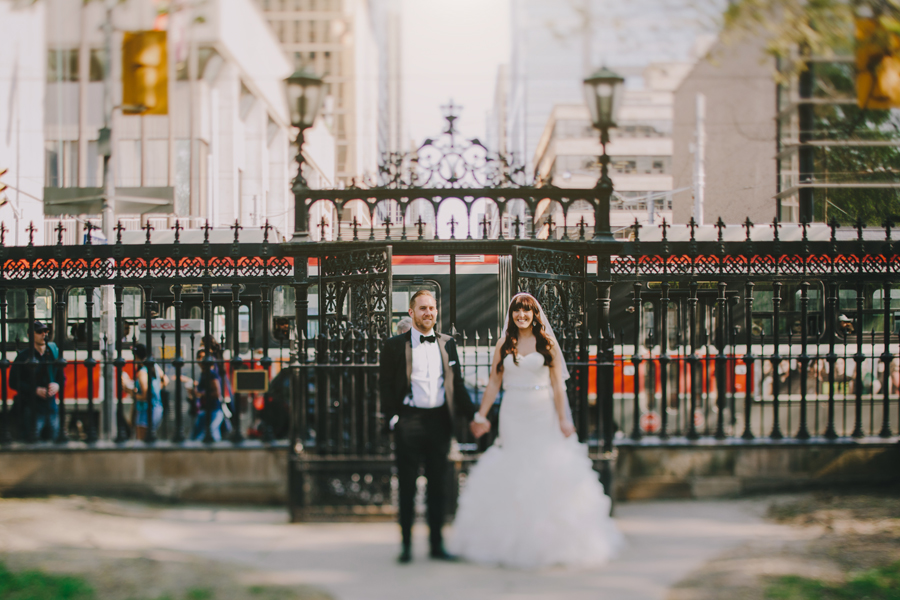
(355, 561)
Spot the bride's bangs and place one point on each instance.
(524, 302)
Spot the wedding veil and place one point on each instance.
(559, 362)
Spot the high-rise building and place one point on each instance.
(223, 149)
(556, 44)
(354, 46)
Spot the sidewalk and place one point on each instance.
(665, 541)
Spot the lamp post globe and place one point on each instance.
(603, 94)
(304, 97)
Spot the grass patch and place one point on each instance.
(36, 585)
(882, 583)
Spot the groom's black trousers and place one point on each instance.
(422, 435)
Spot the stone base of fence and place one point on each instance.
(684, 469)
(251, 474)
(343, 488)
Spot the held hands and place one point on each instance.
(479, 429)
(52, 389)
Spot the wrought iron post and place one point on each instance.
(236, 436)
(803, 433)
(664, 360)
(208, 359)
(776, 362)
(721, 361)
(90, 363)
(178, 364)
(5, 433)
(60, 363)
(636, 362)
(149, 363)
(748, 361)
(266, 360)
(886, 358)
(605, 363)
(859, 358)
(121, 435)
(830, 319)
(693, 361)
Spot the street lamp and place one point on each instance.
(603, 93)
(304, 97)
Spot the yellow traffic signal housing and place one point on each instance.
(877, 65)
(145, 80)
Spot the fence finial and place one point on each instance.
(178, 229)
(266, 229)
(775, 226)
(748, 225)
(720, 225)
(833, 224)
(59, 233)
(664, 226)
(119, 229)
(693, 225)
(148, 228)
(206, 227)
(636, 227)
(887, 224)
(860, 225)
(31, 229)
(237, 229)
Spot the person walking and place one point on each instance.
(37, 381)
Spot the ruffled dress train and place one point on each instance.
(533, 499)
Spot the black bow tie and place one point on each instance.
(426, 338)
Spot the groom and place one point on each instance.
(422, 391)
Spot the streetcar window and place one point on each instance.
(17, 312)
(218, 324)
(244, 328)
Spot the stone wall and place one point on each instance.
(258, 474)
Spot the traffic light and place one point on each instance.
(877, 65)
(145, 79)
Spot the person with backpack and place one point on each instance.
(37, 380)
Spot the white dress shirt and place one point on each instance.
(427, 377)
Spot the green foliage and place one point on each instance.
(818, 27)
(35, 585)
(876, 584)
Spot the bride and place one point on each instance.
(533, 499)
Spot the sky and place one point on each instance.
(451, 50)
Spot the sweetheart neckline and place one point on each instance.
(524, 355)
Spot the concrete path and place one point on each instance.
(665, 541)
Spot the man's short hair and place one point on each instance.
(412, 301)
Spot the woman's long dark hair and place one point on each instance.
(543, 341)
(140, 353)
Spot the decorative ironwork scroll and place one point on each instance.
(450, 162)
(557, 279)
(355, 294)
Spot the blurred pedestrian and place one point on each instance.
(37, 381)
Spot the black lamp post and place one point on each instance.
(603, 94)
(304, 96)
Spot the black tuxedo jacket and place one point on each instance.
(396, 369)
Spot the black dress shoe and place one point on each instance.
(405, 556)
(441, 554)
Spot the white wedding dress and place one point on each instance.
(533, 499)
